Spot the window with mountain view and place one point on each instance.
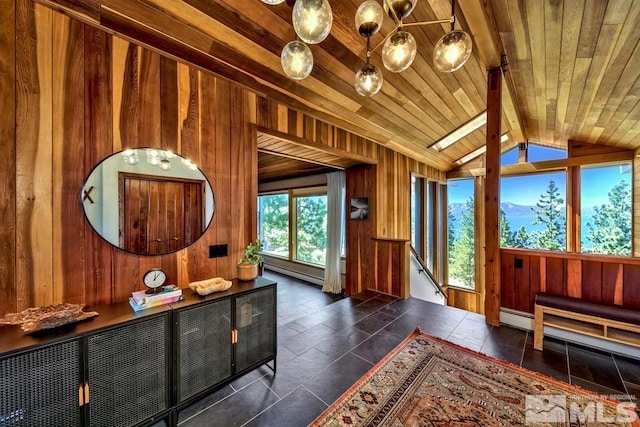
(605, 200)
(533, 211)
(461, 229)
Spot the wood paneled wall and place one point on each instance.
(360, 182)
(391, 258)
(81, 95)
(72, 94)
(595, 278)
(392, 173)
(8, 149)
(378, 265)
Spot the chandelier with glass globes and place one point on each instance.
(312, 21)
(399, 47)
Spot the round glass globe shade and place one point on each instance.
(402, 8)
(369, 18)
(368, 80)
(452, 51)
(312, 20)
(272, 2)
(399, 51)
(297, 60)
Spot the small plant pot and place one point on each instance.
(247, 271)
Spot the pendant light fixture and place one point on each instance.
(312, 20)
(399, 9)
(368, 22)
(399, 51)
(369, 18)
(297, 60)
(452, 51)
(400, 48)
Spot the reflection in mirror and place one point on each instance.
(148, 201)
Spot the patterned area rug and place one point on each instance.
(426, 381)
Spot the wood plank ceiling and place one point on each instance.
(572, 70)
(282, 156)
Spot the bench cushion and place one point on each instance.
(576, 305)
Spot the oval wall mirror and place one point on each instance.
(148, 201)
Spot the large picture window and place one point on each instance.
(273, 223)
(605, 198)
(293, 225)
(461, 223)
(311, 228)
(533, 211)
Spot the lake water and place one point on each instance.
(522, 221)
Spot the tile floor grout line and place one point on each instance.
(270, 406)
(566, 351)
(624, 384)
(357, 355)
(318, 397)
(524, 348)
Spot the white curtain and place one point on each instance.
(335, 231)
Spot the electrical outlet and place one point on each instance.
(217, 251)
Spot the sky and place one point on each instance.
(526, 189)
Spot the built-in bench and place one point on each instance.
(610, 322)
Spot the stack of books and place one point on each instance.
(140, 300)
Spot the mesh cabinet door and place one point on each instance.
(128, 373)
(40, 387)
(204, 347)
(255, 322)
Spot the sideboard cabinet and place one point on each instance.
(217, 338)
(134, 369)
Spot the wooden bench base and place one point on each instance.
(593, 326)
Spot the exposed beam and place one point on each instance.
(311, 145)
(492, 199)
(548, 165)
(482, 24)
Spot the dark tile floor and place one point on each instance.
(326, 343)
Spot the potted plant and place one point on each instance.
(251, 259)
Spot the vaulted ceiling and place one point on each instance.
(571, 68)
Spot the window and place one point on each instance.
(311, 228)
(510, 157)
(273, 223)
(461, 223)
(605, 199)
(533, 211)
(415, 212)
(293, 225)
(537, 153)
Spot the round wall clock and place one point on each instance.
(154, 279)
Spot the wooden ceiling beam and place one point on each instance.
(482, 24)
(311, 145)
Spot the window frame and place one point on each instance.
(292, 195)
(275, 193)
